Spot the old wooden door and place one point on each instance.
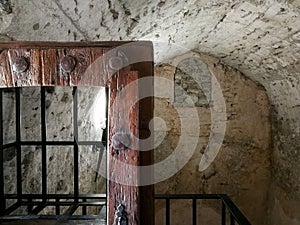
(120, 66)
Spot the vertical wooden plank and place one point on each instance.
(30, 77)
(142, 53)
(96, 74)
(112, 188)
(83, 60)
(45, 69)
(49, 61)
(119, 193)
(5, 74)
(138, 200)
(35, 68)
(63, 78)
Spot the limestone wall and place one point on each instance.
(285, 189)
(259, 38)
(261, 177)
(242, 167)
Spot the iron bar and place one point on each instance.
(97, 143)
(99, 219)
(2, 199)
(223, 214)
(168, 211)
(232, 221)
(188, 196)
(57, 196)
(58, 143)
(76, 150)
(236, 215)
(70, 211)
(57, 208)
(194, 211)
(84, 209)
(234, 211)
(29, 206)
(18, 144)
(101, 152)
(12, 208)
(10, 145)
(63, 203)
(44, 145)
(35, 203)
(38, 209)
(92, 203)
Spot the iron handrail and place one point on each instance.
(235, 214)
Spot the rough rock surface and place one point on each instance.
(242, 168)
(258, 37)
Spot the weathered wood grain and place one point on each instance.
(95, 74)
(143, 55)
(119, 164)
(49, 73)
(88, 70)
(92, 70)
(5, 73)
(83, 60)
(30, 77)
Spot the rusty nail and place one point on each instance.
(20, 64)
(115, 63)
(68, 64)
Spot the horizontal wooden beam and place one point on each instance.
(46, 45)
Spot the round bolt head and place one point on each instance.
(115, 63)
(121, 141)
(20, 64)
(68, 64)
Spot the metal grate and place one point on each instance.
(227, 206)
(35, 203)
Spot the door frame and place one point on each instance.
(115, 65)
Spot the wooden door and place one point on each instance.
(119, 66)
(129, 123)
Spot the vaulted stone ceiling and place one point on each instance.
(261, 38)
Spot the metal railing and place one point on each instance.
(227, 206)
(36, 203)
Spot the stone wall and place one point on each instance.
(285, 189)
(259, 38)
(242, 167)
(262, 179)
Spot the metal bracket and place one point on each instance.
(121, 215)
